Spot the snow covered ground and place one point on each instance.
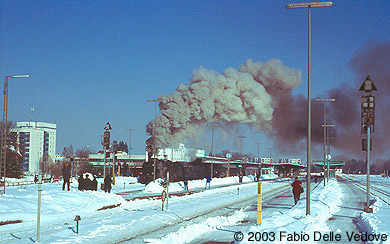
(108, 217)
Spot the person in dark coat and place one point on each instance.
(296, 185)
(81, 183)
(240, 177)
(88, 184)
(208, 180)
(107, 183)
(185, 182)
(66, 176)
(95, 183)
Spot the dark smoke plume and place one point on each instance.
(374, 60)
(259, 94)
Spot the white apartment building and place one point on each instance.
(35, 139)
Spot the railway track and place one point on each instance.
(375, 190)
(26, 231)
(200, 217)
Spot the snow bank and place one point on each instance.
(189, 233)
(156, 187)
(370, 223)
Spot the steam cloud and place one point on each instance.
(247, 95)
(260, 94)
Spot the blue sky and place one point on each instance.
(93, 62)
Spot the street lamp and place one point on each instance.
(130, 130)
(326, 157)
(258, 156)
(154, 132)
(308, 6)
(3, 153)
(241, 137)
(270, 154)
(212, 150)
(324, 100)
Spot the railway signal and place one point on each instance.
(367, 126)
(106, 145)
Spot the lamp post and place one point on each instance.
(324, 100)
(326, 158)
(270, 154)
(130, 130)
(241, 137)
(3, 156)
(308, 6)
(154, 132)
(258, 157)
(212, 150)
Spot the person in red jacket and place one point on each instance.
(297, 185)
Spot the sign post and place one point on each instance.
(229, 156)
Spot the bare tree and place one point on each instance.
(82, 165)
(68, 151)
(48, 166)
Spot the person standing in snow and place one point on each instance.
(297, 189)
(94, 183)
(107, 183)
(88, 184)
(66, 176)
(240, 177)
(185, 182)
(208, 180)
(81, 183)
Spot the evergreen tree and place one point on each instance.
(14, 159)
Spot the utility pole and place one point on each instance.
(324, 100)
(154, 138)
(3, 151)
(130, 130)
(270, 155)
(258, 157)
(114, 150)
(212, 150)
(241, 158)
(308, 6)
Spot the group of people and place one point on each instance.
(185, 182)
(87, 181)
